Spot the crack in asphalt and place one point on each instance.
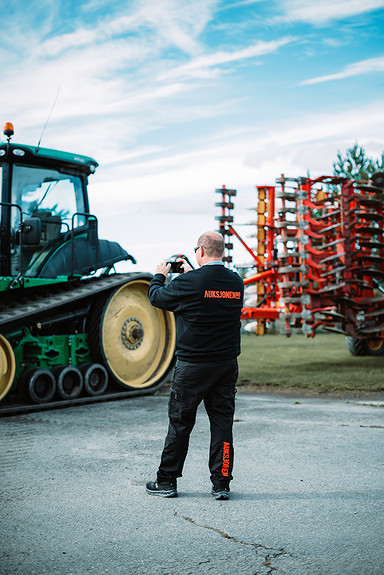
(257, 546)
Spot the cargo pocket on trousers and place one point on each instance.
(175, 405)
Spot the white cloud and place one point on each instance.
(319, 12)
(78, 39)
(198, 66)
(355, 69)
(105, 68)
(241, 3)
(167, 22)
(249, 157)
(156, 206)
(24, 24)
(367, 123)
(178, 23)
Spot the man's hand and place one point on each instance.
(186, 267)
(163, 268)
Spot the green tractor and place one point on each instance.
(69, 324)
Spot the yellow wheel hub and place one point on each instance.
(375, 344)
(7, 366)
(132, 333)
(137, 339)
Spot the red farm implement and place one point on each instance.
(318, 261)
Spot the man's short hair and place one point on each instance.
(213, 244)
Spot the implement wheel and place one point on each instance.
(7, 366)
(366, 346)
(134, 340)
(356, 346)
(375, 346)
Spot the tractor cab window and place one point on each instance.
(49, 195)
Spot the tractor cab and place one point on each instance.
(46, 228)
(44, 202)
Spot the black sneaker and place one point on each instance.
(220, 492)
(162, 489)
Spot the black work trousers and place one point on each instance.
(211, 382)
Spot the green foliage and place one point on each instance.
(379, 164)
(356, 165)
(34, 209)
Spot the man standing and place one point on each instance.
(207, 303)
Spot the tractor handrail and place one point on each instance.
(87, 215)
(12, 205)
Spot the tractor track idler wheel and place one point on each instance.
(69, 381)
(38, 385)
(95, 378)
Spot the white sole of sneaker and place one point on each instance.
(220, 495)
(162, 493)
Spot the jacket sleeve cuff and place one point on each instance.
(160, 277)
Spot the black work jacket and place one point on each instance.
(207, 303)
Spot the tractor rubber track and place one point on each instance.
(35, 303)
(23, 408)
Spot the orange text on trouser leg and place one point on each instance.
(225, 468)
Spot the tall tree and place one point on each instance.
(379, 163)
(356, 165)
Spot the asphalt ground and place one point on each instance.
(307, 498)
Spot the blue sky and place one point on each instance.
(176, 98)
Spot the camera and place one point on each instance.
(176, 267)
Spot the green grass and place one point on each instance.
(322, 363)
